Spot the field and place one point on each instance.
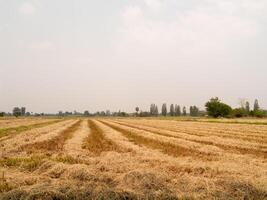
(132, 158)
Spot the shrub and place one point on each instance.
(239, 112)
(259, 113)
(216, 108)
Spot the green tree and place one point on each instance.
(194, 111)
(108, 113)
(23, 111)
(239, 112)
(216, 108)
(86, 113)
(256, 105)
(2, 114)
(172, 110)
(154, 110)
(177, 110)
(247, 107)
(16, 112)
(184, 111)
(164, 109)
(260, 113)
(137, 110)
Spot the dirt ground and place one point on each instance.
(112, 158)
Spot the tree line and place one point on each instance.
(174, 110)
(214, 108)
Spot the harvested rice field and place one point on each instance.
(132, 158)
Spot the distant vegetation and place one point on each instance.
(214, 108)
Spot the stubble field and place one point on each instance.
(131, 158)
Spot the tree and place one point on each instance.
(247, 107)
(164, 109)
(154, 110)
(172, 110)
(86, 113)
(256, 105)
(23, 111)
(194, 111)
(239, 112)
(2, 114)
(177, 110)
(184, 111)
(137, 110)
(144, 114)
(260, 113)
(16, 112)
(60, 113)
(242, 102)
(216, 108)
(108, 113)
(157, 111)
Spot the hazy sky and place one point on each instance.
(118, 54)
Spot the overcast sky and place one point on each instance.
(119, 54)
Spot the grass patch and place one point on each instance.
(67, 159)
(16, 130)
(28, 163)
(5, 187)
(165, 147)
(97, 143)
(54, 144)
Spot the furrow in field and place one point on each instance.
(233, 129)
(73, 146)
(234, 147)
(97, 142)
(243, 134)
(53, 144)
(9, 132)
(6, 123)
(12, 144)
(159, 144)
(23, 122)
(259, 130)
(201, 132)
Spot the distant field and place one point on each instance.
(261, 121)
(133, 158)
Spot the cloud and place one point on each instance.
(42, 45)
(205, 32)
(153, 4)
(27, 8)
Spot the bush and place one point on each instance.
(216, 108)
(239, 112)
(259, 113)
(144, 114)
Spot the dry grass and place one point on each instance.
(97, 143)
(257, 152)
(16, 130)
(54, 144)
(67, 159)
(252, 133)
(167, 148)
(27, 163)
(168, 160)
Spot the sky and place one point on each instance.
(97, 55)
